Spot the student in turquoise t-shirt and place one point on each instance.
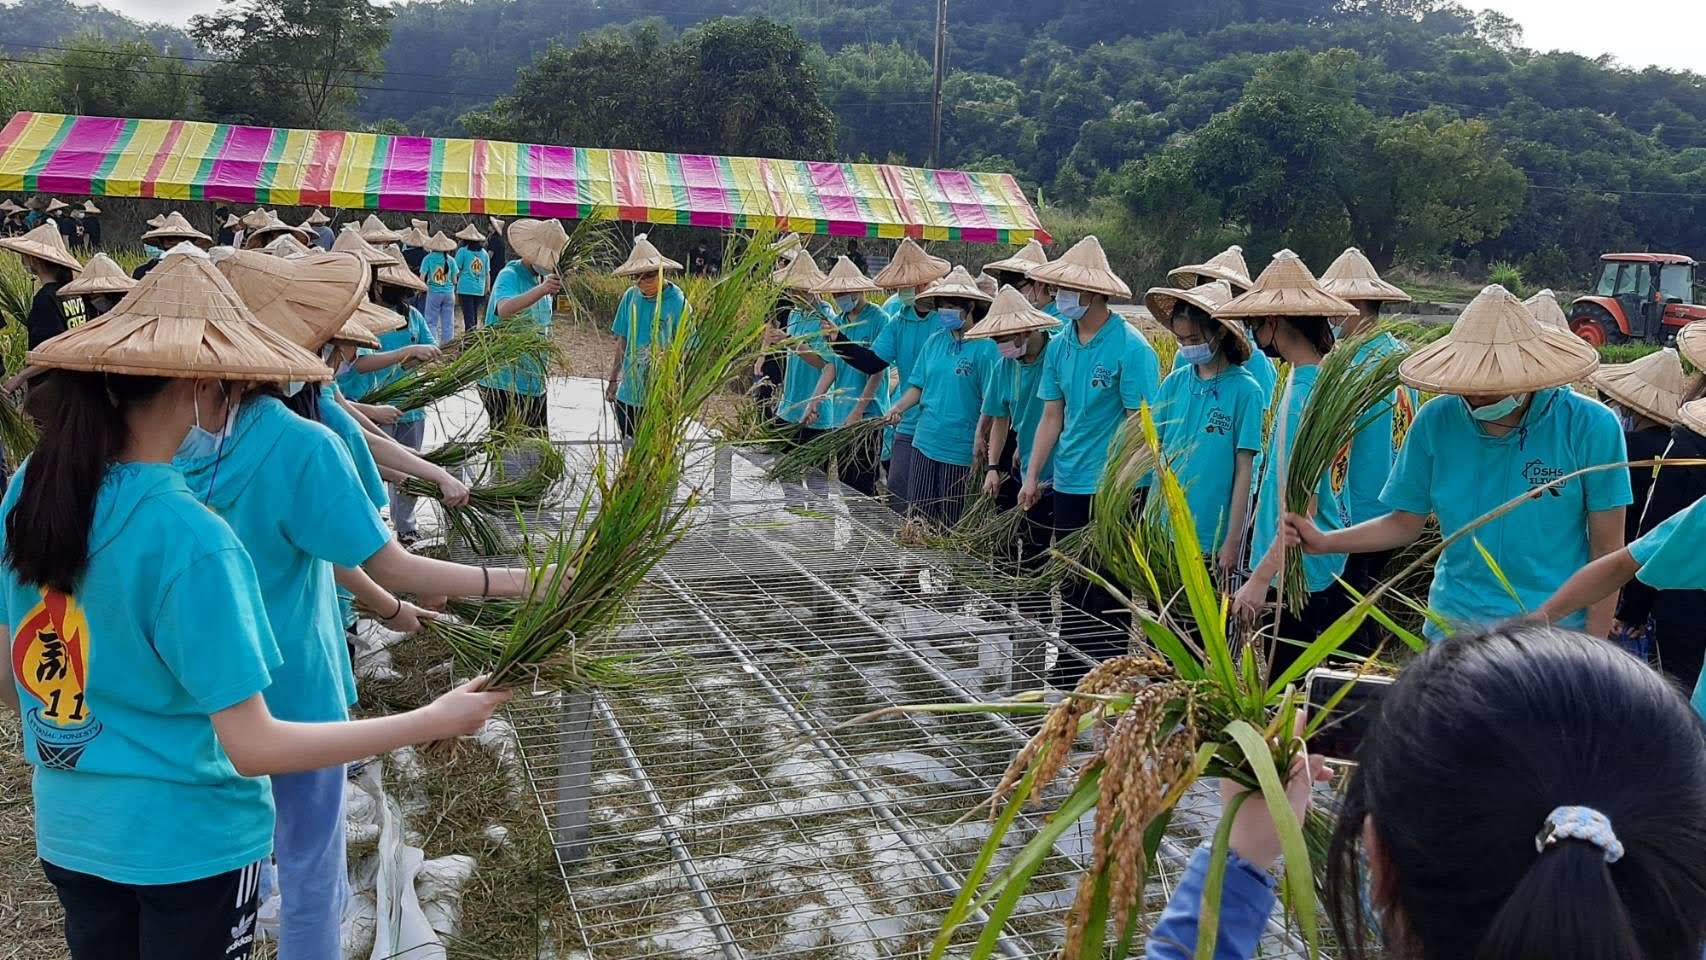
(438, 270)
(901, 342)
(1208, 417)
(145, 646)
(647, 318)
(473, 275)
(1506, 427)
(398, 350)
(947, 383)
(849, 394)
(523, 293)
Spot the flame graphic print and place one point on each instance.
(1403, 415)
(50, 661)
(440, 275)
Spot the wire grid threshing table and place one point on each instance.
(739, 811)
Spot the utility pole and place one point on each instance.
(936, 91)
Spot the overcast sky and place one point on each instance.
(1667, 33)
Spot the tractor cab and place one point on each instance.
(1639, 296)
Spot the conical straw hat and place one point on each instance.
(437, 243)
(957, 285)
(37, 202)
(420, 225)
(401, 276)
(470, 234)
(844, 277)
(1084, 267)
(1352, 277)
(349, 241)
(7, 206)
(1693, 415)
(1209, 297)
(377, 319)
(1654, 386)
(1029, 256)
(174, 227)
(911, 267)
(316, 218)
(644, 259)
(100, 275)
(1226, 265)
(799, 275)
(987, 284)
(182, 320)
(305, 299)
(44, 243)
(1497, 348)
(89, 207)
(159, 219)
(1546, 311)
(415, 237)
(1691, 343)
(788, 244)
(255, 218)
(539, 243)
(374, 230)
(497, 225)
(55, 205)
(355, 331)
(1009, 315)
(1286, 289)
(259, 236)
(286, 246)
(231, 222)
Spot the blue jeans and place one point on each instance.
(313, 879)
(403, 506)
(441, 315)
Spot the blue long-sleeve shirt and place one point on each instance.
(1246, 900)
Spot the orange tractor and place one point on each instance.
(1640, 296)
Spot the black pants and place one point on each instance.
(1362, 573)
(861, 466)
(939, 489)
(1298, 630)
(627, 419)
(502, 405)
(1096, 623)
(208, 919)
(473, 310)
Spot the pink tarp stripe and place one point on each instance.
(707, 191)
(631, 193)
(477, 178)
(73, 166)
(236, 173)
(161, 156)
(832, 191)
(554, 177)
(902, 194)
(322, 169)
(407, 172)
(15, 128)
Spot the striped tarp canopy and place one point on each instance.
(190, 160)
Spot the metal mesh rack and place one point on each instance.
(752, 806)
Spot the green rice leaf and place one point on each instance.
(1499, 575)
(1299, 880)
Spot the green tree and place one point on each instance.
(26, 86)
(122, 78)
(603, 92)
(290, 62)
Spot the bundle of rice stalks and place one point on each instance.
(559, 636)
(17, 291)
(479, 523)
(984, 530)
(836, 445)
(455, 453)
(1129, 538)
(17, 431)
(467, 359)
(1347, 397)
(592, 245)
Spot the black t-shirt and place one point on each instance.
(50, 316)
(143, 268)
(500, 251)
(413, 257)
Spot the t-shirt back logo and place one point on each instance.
(476, 266)
(1101, 377)
(439, 275)
(1539, 473)
(50, 661)
(1219, 423)
(1403, 415)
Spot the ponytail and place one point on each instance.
(1566, 905)
(82, 431)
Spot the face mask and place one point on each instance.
(950, 318)
(648, 287)
(294, 387)
(1069, 304)
(1196, 354)
(847, 303)
(153, 252)
(1497, 410)
(326, 353)
(1338, 331)
(907, 295)
(199, 443)
(1011, 349)
(1268, 350)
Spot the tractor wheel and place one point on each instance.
(1595, 325)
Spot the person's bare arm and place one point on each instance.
(260, 745)
(613, 379)
(1605, 538)
(1237, 511)
(510, 306)
(907, 401)
(820, 392)
(999, 427)
(394, 612)
(1390, 532)
(1042, 448)
(865, 396)
(389, 454)
(417, 353)
(1590, 586)
(398, 569)
(981, 451)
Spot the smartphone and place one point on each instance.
(1339, 737)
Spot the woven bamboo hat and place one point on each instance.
(1352, 277)
(374, 230)
(988, 285)
(1030, 256)
(100, 275)
(89, 207)
(1654, 386)
(418, 224)
(316, 217)
(1209, 297)
(1286, 289)
(44, 243)
(1546, 311)
(182, 320)
(470, 234)
(1693, 415)
(844, 277)
(437, 243)
(1084, 267)
(400, 275)
(376, 319)
(497, 225)
(286, 246)
(643, 259)
(303, 299)
(232, 222)
(350, 241)
(7, 206)
(159, 219)
(1009, 315)
(1691, 343)
(257, 217)
(1226, 265)
(539, 243)
(173, 227)
(1497, 348)
(788, 245)
(911, 267)
(415, 237)
(957, 285)
(55, 205)
(262, 235)
(799, 275)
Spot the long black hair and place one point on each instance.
(1474, 746)
(82, 431)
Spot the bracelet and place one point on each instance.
(398, 613)
(486, 585)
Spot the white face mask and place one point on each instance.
(1070, 304)
(294, 387)
(201, 443)
(1498, 409)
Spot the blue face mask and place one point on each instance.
(294, 387)
(1196, 354)
(1497, 410)
(848, 303)
(907, 295)
(950, 318)
(1069, 303)
(199, 443)
(1338, 331)
(153, 252)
